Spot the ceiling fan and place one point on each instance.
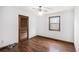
(41, 9)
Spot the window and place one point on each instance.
(54, 23)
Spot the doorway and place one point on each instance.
(23, 28)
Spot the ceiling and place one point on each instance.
(47, 9)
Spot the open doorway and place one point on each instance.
(23, 28)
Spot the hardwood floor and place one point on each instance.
(41, 44)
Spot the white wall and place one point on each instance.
(9, 24)
(76, 29)
(67, 26)
(0, 25)
(32, 20)
(38, 25)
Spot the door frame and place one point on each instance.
(19, 26)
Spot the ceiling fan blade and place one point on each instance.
(35, 8)
(47, 8)
(40, 8)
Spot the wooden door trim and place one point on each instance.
(19, 26)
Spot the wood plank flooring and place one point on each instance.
(41, 44)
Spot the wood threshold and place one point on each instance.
(33, 37)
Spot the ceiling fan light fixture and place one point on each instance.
(40, 13)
